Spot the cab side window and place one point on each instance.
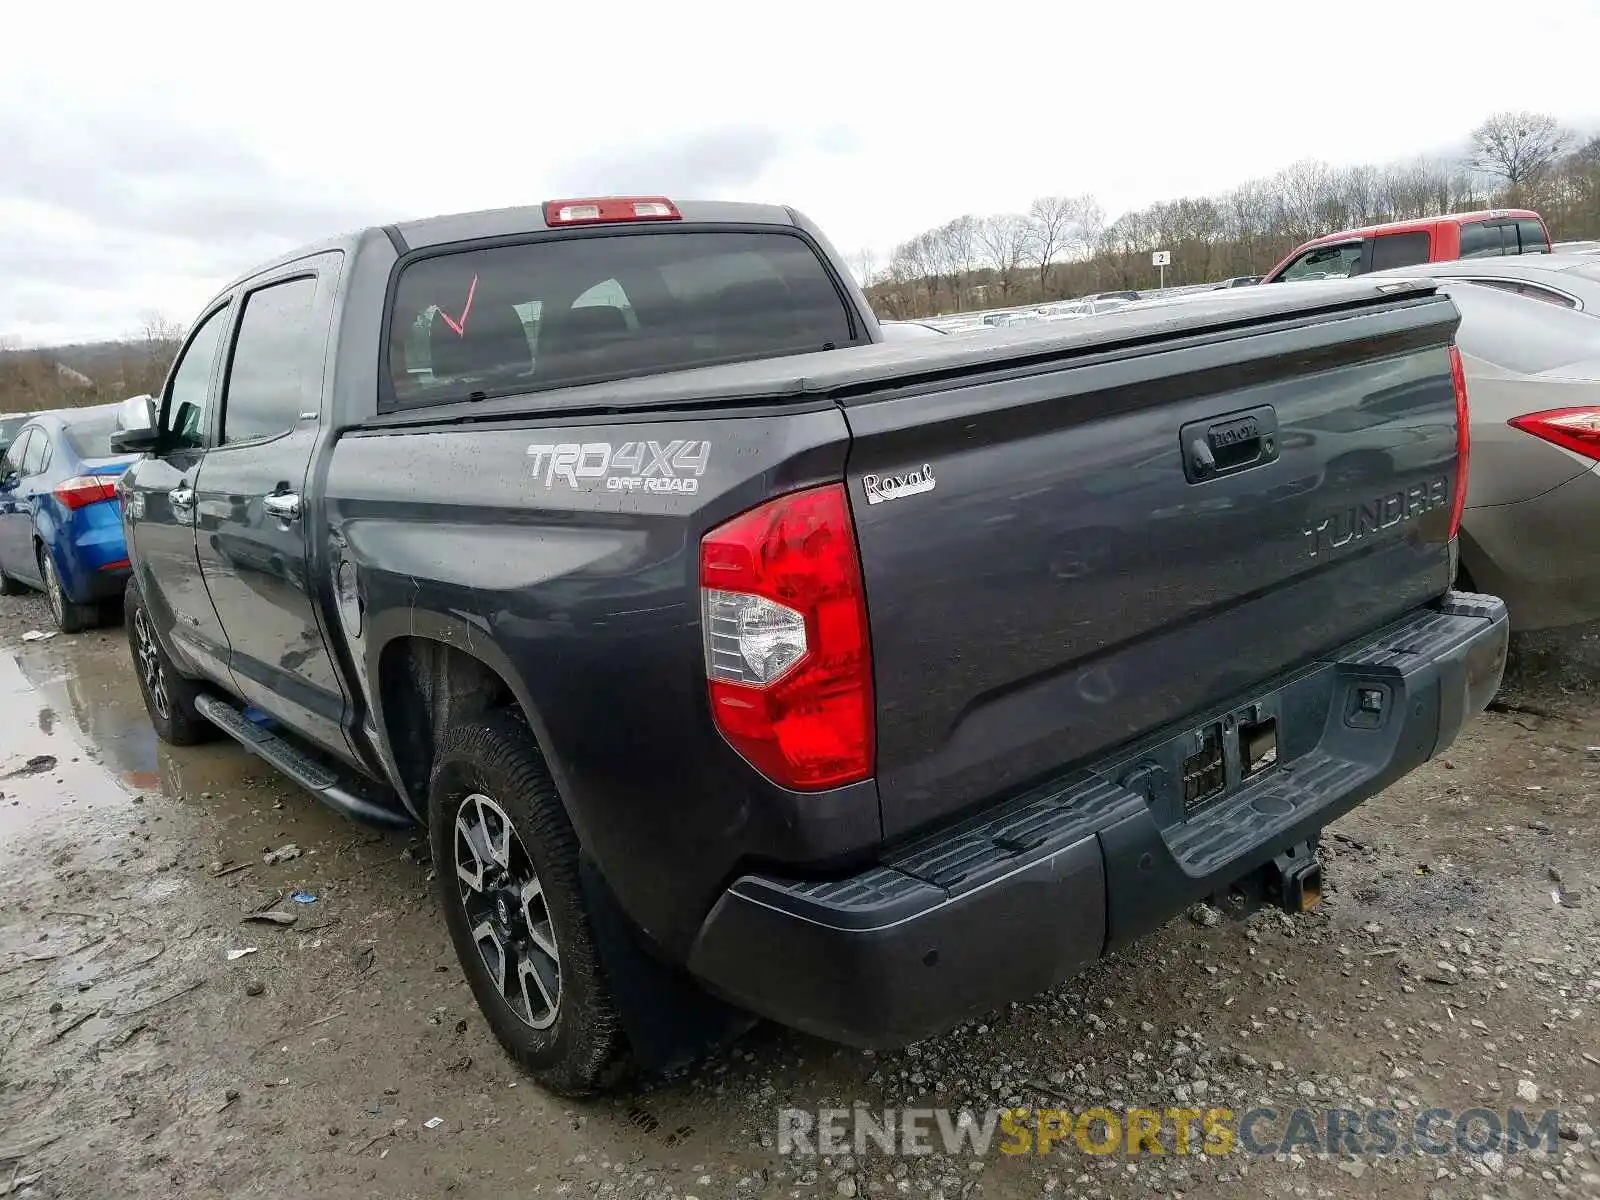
(184, 412)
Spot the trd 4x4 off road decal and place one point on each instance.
(674, 466)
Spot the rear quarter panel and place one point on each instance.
(584, 595)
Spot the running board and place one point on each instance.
(296, 764)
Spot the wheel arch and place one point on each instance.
(434, 670)
(43, 548)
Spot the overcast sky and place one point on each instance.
(150, 151)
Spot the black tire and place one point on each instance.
(71, 617)
(10, 586)
(582, 1051)
(168, 696)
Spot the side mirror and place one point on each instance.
(136, 431)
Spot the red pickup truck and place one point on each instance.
(1489, 233)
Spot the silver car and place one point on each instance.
(1565, 280)
(1530, 343)
(1533, 491)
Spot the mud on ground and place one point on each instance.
(1452, 962)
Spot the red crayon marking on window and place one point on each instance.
(460, 324)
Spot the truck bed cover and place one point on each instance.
(838, 376)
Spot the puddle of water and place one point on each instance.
(44, 768)
(77, 701)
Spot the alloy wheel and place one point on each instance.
(148, 653)
(507, 911)
(52, 588)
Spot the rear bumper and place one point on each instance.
(93, 562)
(1013, 901)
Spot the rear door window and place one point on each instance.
(38, 454)
(1488, 239)
(1400, 250)
(564, 311)
(1531, 235)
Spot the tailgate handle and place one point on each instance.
(1226, 445)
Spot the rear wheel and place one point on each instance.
(506, 866)
(71, 617)
(10, 586)
(168, 696)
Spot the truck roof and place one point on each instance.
(529, 218)
(1417, 223)
(502, 222)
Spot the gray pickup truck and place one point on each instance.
(736, 663)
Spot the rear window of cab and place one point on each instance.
(561, 311)
(1493, 238)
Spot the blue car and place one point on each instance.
(60, 519)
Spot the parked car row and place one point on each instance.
(1530, 350)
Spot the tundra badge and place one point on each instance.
(896, 487)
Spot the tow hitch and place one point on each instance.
(1295, 881)
(1292, 881)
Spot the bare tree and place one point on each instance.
(144, 368)
(965, 251)
(1303, 192)
(1517, 146)
(155, 327)
(864, 264)
(1004, 240)
(1050, 226)
(1088, 222)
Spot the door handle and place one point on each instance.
(283, 505)
(181, 497)
(1225, 445)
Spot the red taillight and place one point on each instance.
(788, 656)
(1575, 429)
(1458, 377)
(86, 489)
(610, 208)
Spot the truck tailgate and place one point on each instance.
(1060, 559)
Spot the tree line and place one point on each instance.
(77, 376)
(1064, 245)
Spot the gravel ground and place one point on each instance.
(1453, 962)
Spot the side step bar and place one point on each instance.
(297, 765)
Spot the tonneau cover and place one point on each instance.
(824, 374)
